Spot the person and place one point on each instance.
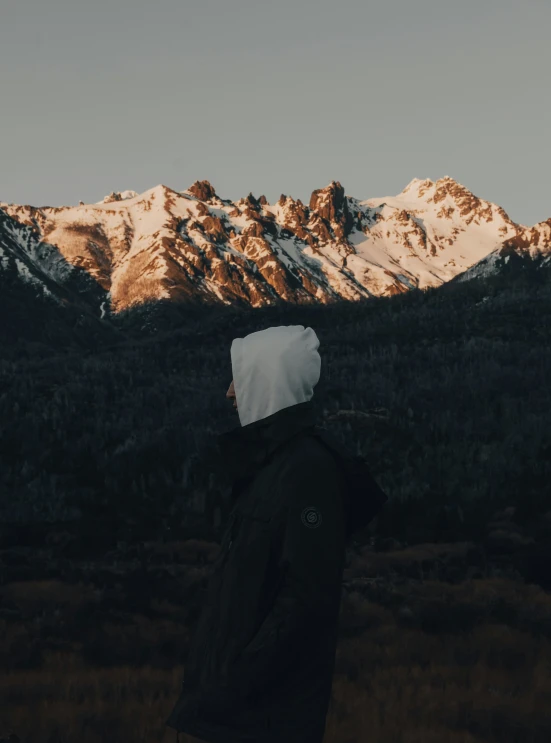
(262, 656)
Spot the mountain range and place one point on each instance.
(195, 246)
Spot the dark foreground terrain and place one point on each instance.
(438, 642)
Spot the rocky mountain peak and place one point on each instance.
(469, 206)
(331, 206)
(202, 190)
(329, 201)
(251, 201)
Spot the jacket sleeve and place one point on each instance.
(311, 563)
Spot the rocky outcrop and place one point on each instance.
(113, 196)
(251, 202)
(202, 190)
(214, 227)
(330, 206)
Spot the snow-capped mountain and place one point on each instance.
(194, 245)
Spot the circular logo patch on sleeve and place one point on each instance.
(311, 517)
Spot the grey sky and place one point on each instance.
(275, 97)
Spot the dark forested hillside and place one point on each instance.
(109, 518)
(32, 322)
(461, 373)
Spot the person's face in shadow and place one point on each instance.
(230, 394)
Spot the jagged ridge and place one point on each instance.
(195, 246)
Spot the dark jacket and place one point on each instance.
(261, 661)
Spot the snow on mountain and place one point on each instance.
(35, 262)
(197, 246)
(441, 228)
(530, 244)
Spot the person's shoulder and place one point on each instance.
(308, 445)
(306, 453)
(320, 443)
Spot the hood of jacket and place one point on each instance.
(363, 496)
(274, 369)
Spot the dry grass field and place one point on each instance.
(91, 658)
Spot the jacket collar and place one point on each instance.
(242, 450)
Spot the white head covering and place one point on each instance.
(274, 369)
